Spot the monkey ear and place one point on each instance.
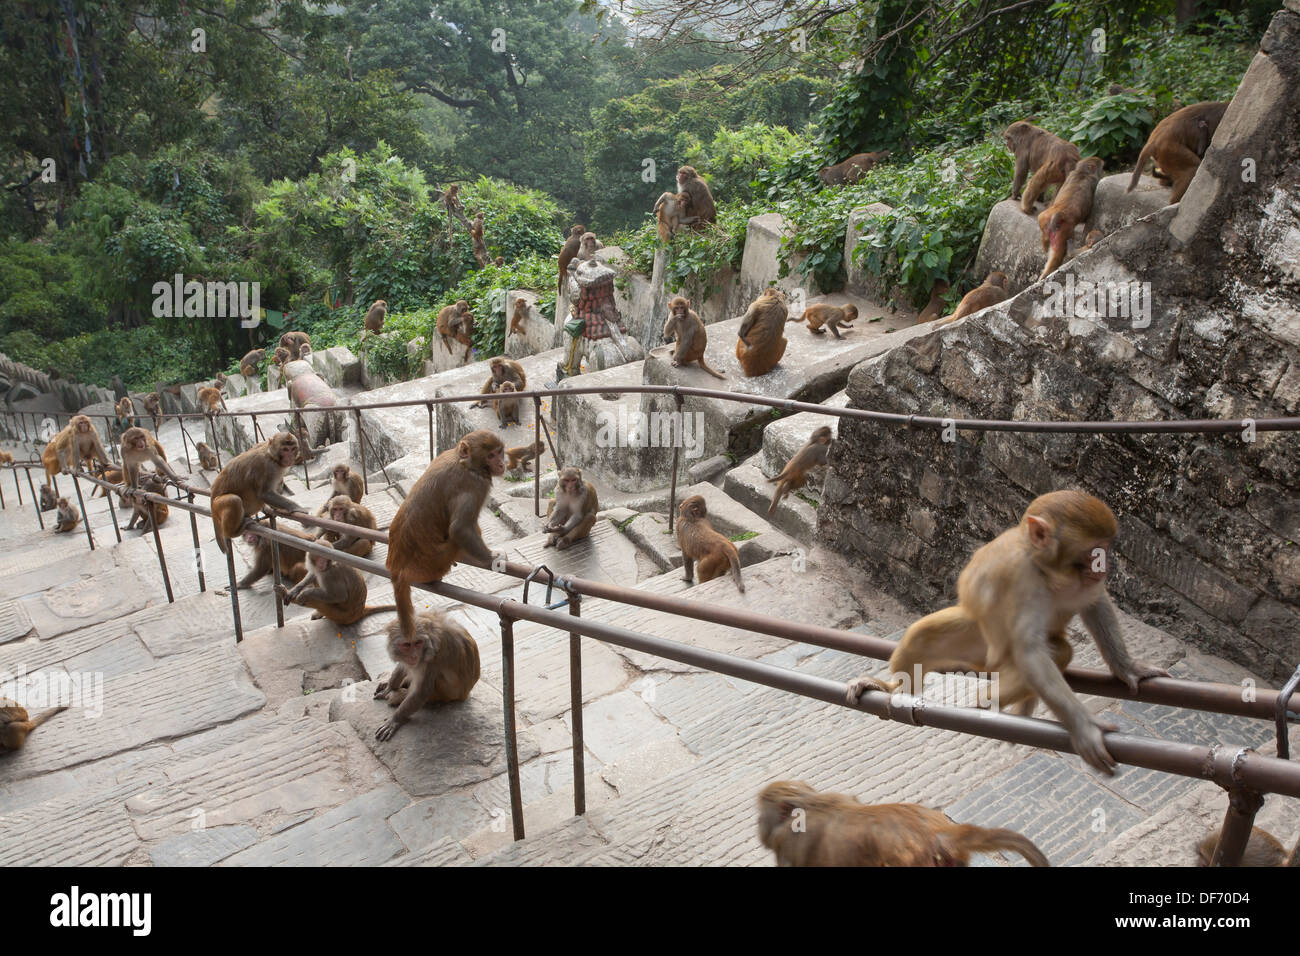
(1040, 531)
(462, 450)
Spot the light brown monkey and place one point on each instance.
(451, 200)
(219, 380)
(6, 458)
(281, 358)
(153, 407)
(502, 370)
(249, 482)
(78, 441)
(1177, 144)
(934, 308)
(250, 366)
(794, 475)
(1072, 205)
(1262, 849)
(671, 210)
(761, 341)
(294, 342)
(374, 320)
(15, 725)
(507, 409)
(852, 169)
(519, 317)
(804, 827)
(456, 323)
(438, 521)
(567, 253)
(992, 291)
(499, 261)
(344, 509)
(703, 209)
(588, 246)
(700, 542)
(437, 664)
(1014, 600)
(125, 411)
(476, 239)
(1092, 238)
(572, 514)
(830, 316)
(68, 516)
(1050, 157)
(333, 591)
(150, 514)
(207, 457)
(685, 325)
(522, 457)
(211, 399)
(111, 475)
(138, 447)
(293, 561)
(343, 481)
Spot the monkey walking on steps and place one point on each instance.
(15, 725)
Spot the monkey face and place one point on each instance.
(288, 452)
(250, 538)
(406, 651)
(320, 562)
(339, 513)
(341, 472)
(496, 460)
(693, 507)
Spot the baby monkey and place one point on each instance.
(795, 474)
(68, 516)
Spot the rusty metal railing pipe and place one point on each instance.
(36, 499)
(575, 710)
(85, 518)
(508, 706)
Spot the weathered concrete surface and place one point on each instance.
(537, 334)
(759, 265)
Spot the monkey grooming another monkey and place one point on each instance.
(344, 509)
(333, 591)
(568, 252)
(991, 292)
(250, 365)
(761, 341)
(571, 516)
(507, 409)
(150, 514)
(830, 316)
(702, 206)
(138, 447)
(68, 516)
(805, 827)
(1049, 156)
(374, 320)
(249, 482)
(1177, 144)
(15, 725)
(685, 325)
(671, 211)
(207, 457)
(502, 370)
(1072, 205)
(934, 308)
(293, 561)
(295, 342)
(438, 663)
(700, 542)
(1262, 849)
(852, 169)
(794, 475)
(1014, 600)
(523, 456)
(455, 322)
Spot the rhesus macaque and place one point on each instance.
(1072, 205)
(1014, 600)
(438, 521)
(795, 473)
(476, 238)
(249, 482)
(150, 514)
(112, 476)
(1092, 238)
(207, 457)
(343, 481)
(293, 561)
(456, 323)
(293, 342)
(153, 406)
(805, 827)
(15, 725)
(507, 409)
(567, 253)
(934, 308)
(761, 343)
(684, 324)
(374, 320)
(1177, 144)
(522, 457)
(503, 370)
(572, 515)
(6, 458)
(219, 380)
(344, 509)
(78, 441)
(438, 663)
(830, 316)
(852, 169)
(702, 208)
(519, 317)
(588, 246)
(211, 399)
(125, 412)
(1049, 156)
(451, 200)
(499, 261)
(671, 211)
(992, 291)
(1262, 849)
(138, 446)
(49, 499)
(251, 364)
(331, 590)
(700, 542)
(68, 516)
(281, 358)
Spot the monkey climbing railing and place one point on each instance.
(1245, 774)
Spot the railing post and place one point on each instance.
(185, 444)
(1279, 716)
(157, 543)
(198, 548)
(508, 702)
(1243, 804)
(361, 452)
(672, 491)
(36, 499)
(537, 459)
(17, 486)
(234, 590)
(85, 518)
(302, 434)
(112, 514)
(575, 709)
(429, 406)
(275, 568)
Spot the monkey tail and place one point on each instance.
(712, 371)
(972, 839)
(227, 518)
(1141, 165)
(42, 718)
(734, 557)
(378, 609)
(405, 608)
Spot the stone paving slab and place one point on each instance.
(446, 852)
(795, 515)
(203, 847)
(77, 829)
(459, 419)
(109, 596)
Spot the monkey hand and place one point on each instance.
(1140, 671)
(1089, 744)
(387, 730)
(857, 688)
(381, 690)
(283, 592)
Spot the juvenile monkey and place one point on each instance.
(295, 342)
(519, 317)
(507, 409)
(685, 325)
(207, 457)
(804, 827)
(333, 591)
(571, 516)
(455, 323)
(150, 514)
(77, 442)
(211, 399)
(281, 358)
(700, 542)
(250, 365)
(1092, 238)
(1262, 849)
(68, 516)
(249, 483)
(568, 252)
(991, 292)
(374, 320)
(761, 341)
(138, 447)
(342, 508)
(219, 380)
(15, 725)
(6, 458)
(1014, 601)
(1073, 205)
(125, 412)
(934, 308)
(852, 169)
(1049, 156)
(476, 239)
(502, 370)
(522, 457)
(293, 561)
(437, 663)
(153, 406)
(830, 316)
(49, 500)
(1177, 144)
(701, 200)
(795, 473)
(671, 211)
(588, 246)
(343, 481)
(499, 261)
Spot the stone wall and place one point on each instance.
(74, 395)
(1209, 545)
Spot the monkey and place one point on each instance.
(934, 308)
(153, 406)
(1049, 156)
(207, 457)
(125, 413)
(212, 399)
(700, 542)
(499, 261)
(1262, 849)
(1072, 205)
(519, 317)
(68, 516)
(507, 409)
(374, 320)
(293, 561)
(588, 246)
(294, 341)
(1014, 600)
(138, 447)
(250, 365)
(280, 358)
(344, 481)
(304, 351)
(685, 326)
(248, 483)
(118, 387)
(830, 316)
(1177, 144)
(219, 380)
(852, 169)
(502, 370)
(112, 476)
(567, 253)
(572, 515)
(331, 590)
(78, 441)
(345, 509)
(456, 323)
(991, 292)
(15, 724)
(702, 208)
(1092, 238)
(150, 514)
(522, 457)
(438, 521)
(476, 239)
(794, 475)
(437, 663)
(761, 343)
(805, 827)
(671, 211)
(6, 458)
(49, 499)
